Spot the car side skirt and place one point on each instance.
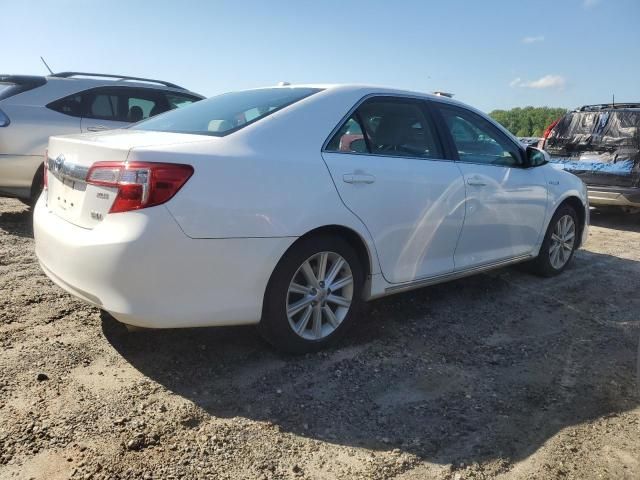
(424, 282)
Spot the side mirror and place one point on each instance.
(536, 157)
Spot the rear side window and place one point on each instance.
(223, 114)
(349, 138)
(113, 103)
(142, 104)
(388, 126)
(104, 107)
(71, 105)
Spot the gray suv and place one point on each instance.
(32, 108)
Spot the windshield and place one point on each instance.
(7, 89)
(225, 113)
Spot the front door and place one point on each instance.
(505, 202)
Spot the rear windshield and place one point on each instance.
(8, 90)
(11, 85)
(225, 113)
(601, 129)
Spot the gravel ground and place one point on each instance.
(502, 375)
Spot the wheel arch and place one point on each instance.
(575, 203)
(365, 250)
(37, 183)
(354, 239)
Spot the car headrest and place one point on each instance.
(135, 114)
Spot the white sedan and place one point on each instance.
(288, 207)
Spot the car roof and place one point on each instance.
(89, 82)
(608, 106)
(366, 89)
(360, 91)
(68, 83)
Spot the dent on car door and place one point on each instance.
(389, 168)
(505, 202)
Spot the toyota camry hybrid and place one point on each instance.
(288, 207)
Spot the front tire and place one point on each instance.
(313, 296)
(560, 242)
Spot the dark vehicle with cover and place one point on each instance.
(601, 145)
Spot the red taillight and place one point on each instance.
(549, 129)
(139, 184)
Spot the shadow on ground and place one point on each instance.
(616, 219)
(17, 222)
(478, 369)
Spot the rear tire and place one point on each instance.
(313, 296)
(36, 189)
(559, 245)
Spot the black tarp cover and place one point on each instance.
(603, 147)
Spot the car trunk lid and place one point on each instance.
(69, 159)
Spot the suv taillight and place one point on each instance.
(139, 184)
(549, 129)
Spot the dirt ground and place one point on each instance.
(503, 375)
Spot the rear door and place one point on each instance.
(505, 202)
(388, 165)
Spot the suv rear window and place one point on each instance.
(11, 85)
(226, 113)
(605, 129)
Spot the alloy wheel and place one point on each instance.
(319, 295)
(562, 241)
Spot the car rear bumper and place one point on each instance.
(142, 269)
(616, 196)
(17, 173)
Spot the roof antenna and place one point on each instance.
(613, 100)
(45, 64)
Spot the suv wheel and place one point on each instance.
(313, 295)
(36, 188)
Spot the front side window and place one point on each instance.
(388, 126)
(226, 113)
(476, 140)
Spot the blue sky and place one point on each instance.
(491, 54)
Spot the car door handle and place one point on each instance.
(358, 178)
(476, 182)
(97, 128)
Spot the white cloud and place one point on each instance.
(548, 81)
(539, 38)
(590, 3)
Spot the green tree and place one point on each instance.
(527, 121)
